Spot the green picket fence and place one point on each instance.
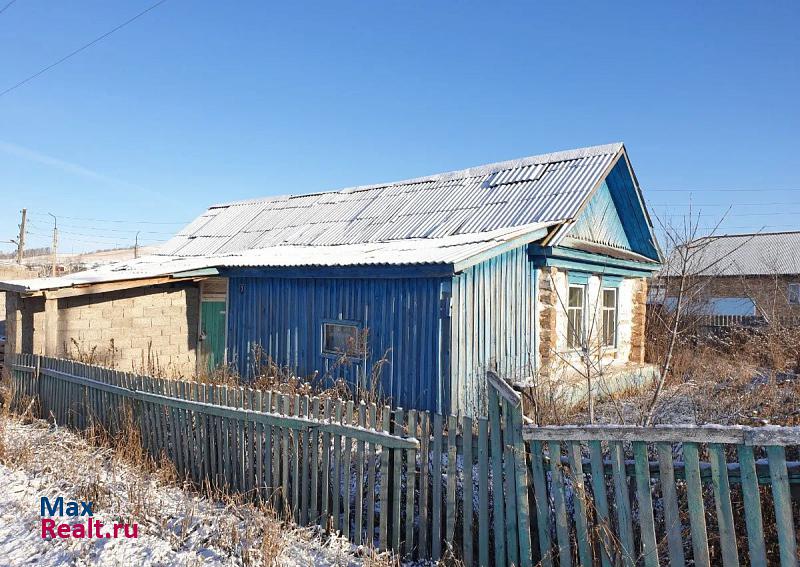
(424, 485)
(383, 477)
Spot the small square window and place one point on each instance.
(341, 339)
(794, 293)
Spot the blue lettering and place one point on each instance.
(46, 509)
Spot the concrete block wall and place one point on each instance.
(148, 329)
(144, 329)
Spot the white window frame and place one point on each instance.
(581, 340)
(615, 311)
(793, 295)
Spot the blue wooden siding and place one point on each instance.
(284, 317)
(614, 215)
(493, 325)
(600, 222)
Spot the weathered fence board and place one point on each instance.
(428, 485)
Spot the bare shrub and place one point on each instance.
(80, 352)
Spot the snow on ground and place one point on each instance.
(176, 527)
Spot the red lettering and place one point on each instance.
(134, 532)
(117, 527)
(79, 530)
(47, 528)
(64, 530)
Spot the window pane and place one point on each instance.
(576, 296)
(794, 293)
(609, 323)
(340, 339)
(575, 330)
(609, 327)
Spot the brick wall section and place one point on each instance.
(638, 321)
(548, 303)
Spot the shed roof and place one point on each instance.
(450, 250)
(755, 254)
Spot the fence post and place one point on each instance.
(37, 366)
(497, 478)
(521, 476)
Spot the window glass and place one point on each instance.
(794, 293)
(341, 338)
(730, 306)
(609, 323)
(575, 316)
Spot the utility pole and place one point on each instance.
(136, 246)
(21, 241)
(55, 244)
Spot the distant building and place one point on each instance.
(419, 285)
(739, 275)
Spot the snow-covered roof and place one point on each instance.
(439, 219)
(538, 189)
(452, 250)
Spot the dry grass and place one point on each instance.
(99, 464)
(746, 376)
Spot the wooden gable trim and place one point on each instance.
(567, 258)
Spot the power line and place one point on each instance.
(721, 190)
(82, 48)
(93, 238)
(115, 220)
(104, 229)
(768, 213)
(720, 204)
(724, 226)
(7, 6)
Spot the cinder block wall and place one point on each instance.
(143, 329)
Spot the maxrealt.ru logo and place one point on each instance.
(66, 510)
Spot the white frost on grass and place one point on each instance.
(176, 527)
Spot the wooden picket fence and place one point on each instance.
(488, 490)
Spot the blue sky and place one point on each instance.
(203, 102)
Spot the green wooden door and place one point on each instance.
(212, 329)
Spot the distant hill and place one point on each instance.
(40, 259)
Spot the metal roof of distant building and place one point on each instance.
(756, 254)
(548, 188)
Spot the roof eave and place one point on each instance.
(501, 248)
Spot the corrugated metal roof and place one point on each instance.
(775, 253)
(444, 218)
(548, 188)
(446, 250)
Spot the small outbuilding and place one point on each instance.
(414, 288)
